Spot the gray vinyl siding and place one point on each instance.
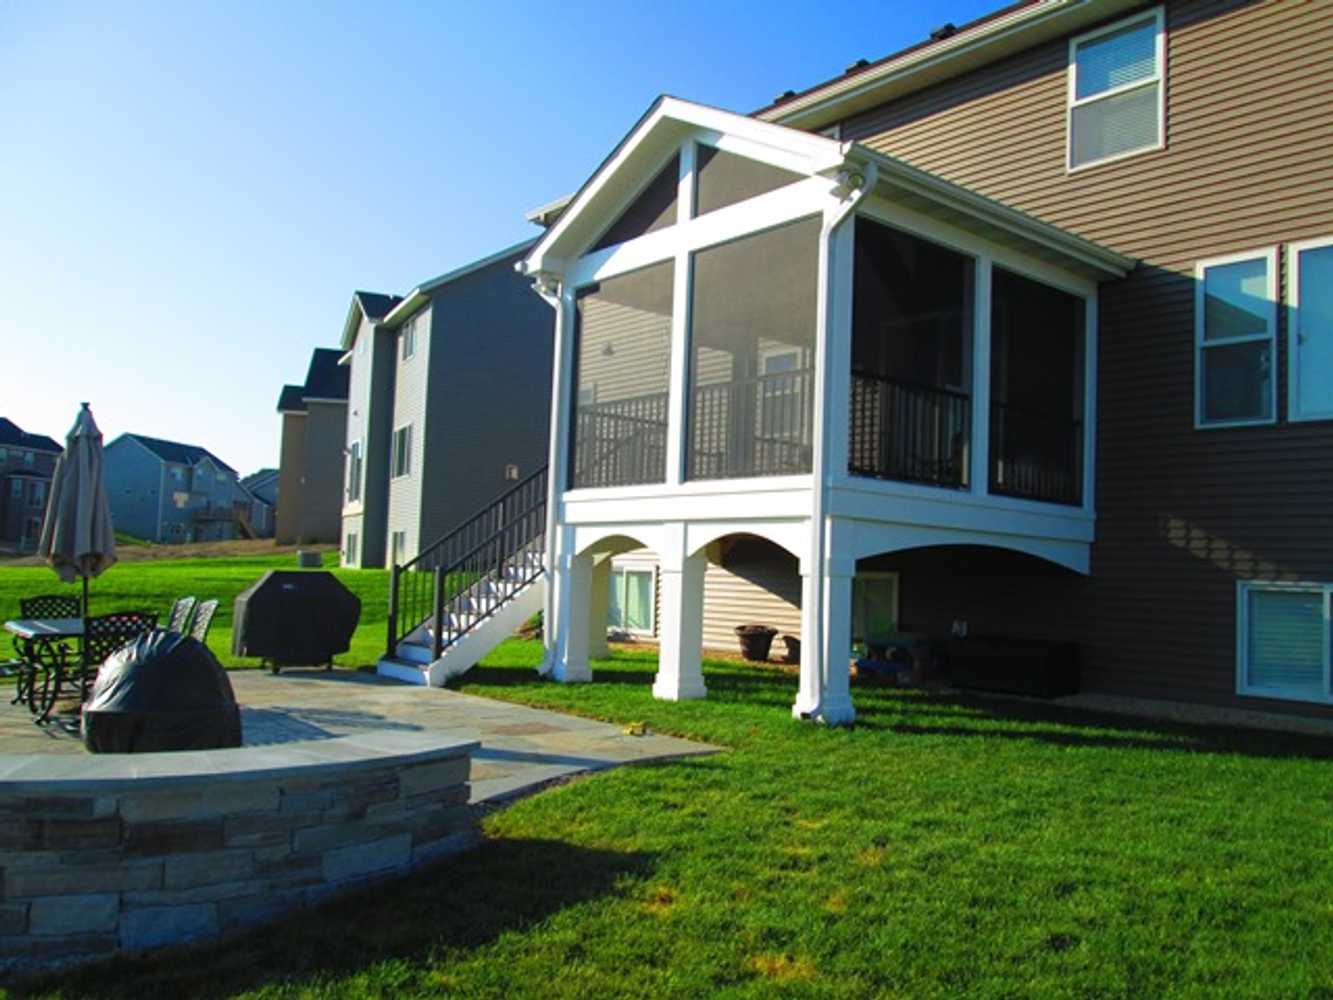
(409, 408)
(133, 478)
(369, 422)
(490, 401)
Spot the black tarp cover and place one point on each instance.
(164, 691)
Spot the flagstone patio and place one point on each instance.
(521, 748)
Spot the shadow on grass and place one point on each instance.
(455, 906)
(964, 714)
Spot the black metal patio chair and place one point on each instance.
(203, 621)
(179, 618)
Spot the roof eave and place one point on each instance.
(985, 42)
(893, 173)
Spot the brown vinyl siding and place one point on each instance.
(1182, 513)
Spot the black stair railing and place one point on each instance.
(469, 573)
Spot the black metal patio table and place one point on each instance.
(48, 647)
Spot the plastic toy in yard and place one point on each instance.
(164, 691)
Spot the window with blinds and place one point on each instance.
(1115, 90)
(1284, 645)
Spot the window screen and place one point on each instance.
(1116, 94)
(653, 209)
(622, 365)
(725, 179)
(1285, 647)
(752, 355)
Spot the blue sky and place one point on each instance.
(190, 192)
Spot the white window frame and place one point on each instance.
(1294, 250)
(405, 453)
(1269, 256)
(409, 338)
(350, 545)
(1243, 590)
(397, 547)
(354, 462)
(1072, 101)
(651, 573)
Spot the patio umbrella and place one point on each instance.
(77, 537)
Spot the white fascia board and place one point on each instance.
(815, 155)
(969, 49)
(413, 301)
(345, 358)
(893, 173)
(539, 215)
(476, 265)
(352, 324)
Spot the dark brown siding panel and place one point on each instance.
(1182, 514)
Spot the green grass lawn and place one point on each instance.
(945, 846)
(153, 584)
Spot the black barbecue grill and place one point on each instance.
(295, 618)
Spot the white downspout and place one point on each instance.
(552, 292)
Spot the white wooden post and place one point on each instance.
(979, 471)
(599, 594)
(573, 591)
(826, 611)
(681, 620)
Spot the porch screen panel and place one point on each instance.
(1036, 419)
(622, 360)
(653, 209)
(725, 179)
(752, 355)
(912, 308)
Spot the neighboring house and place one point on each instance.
(263, 487)
(372, 363)
(165, 491)
(310, 476)
(451, 391)
(27, 462)
(1027, 326)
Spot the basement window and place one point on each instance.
(1116, 95)
(1283, 640)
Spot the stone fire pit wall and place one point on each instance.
(122, 853)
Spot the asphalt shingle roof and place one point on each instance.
(13, 436)
(325, 378)
(376, 305)
(182, 454)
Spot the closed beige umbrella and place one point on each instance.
(77, 538)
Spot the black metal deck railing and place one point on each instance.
(1035, 455)
(752, 427)
(620, 443)
(909, 431)
(478, 564)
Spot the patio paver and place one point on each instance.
(522, 748)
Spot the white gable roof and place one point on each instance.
(657, 135)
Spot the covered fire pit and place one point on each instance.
(164, 691)
(294, 618)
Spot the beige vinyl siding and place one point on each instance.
(1183, 514)
(756, 584)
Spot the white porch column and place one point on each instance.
(680, 622)
(826, 613)
(599, 595)
(567, 627)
